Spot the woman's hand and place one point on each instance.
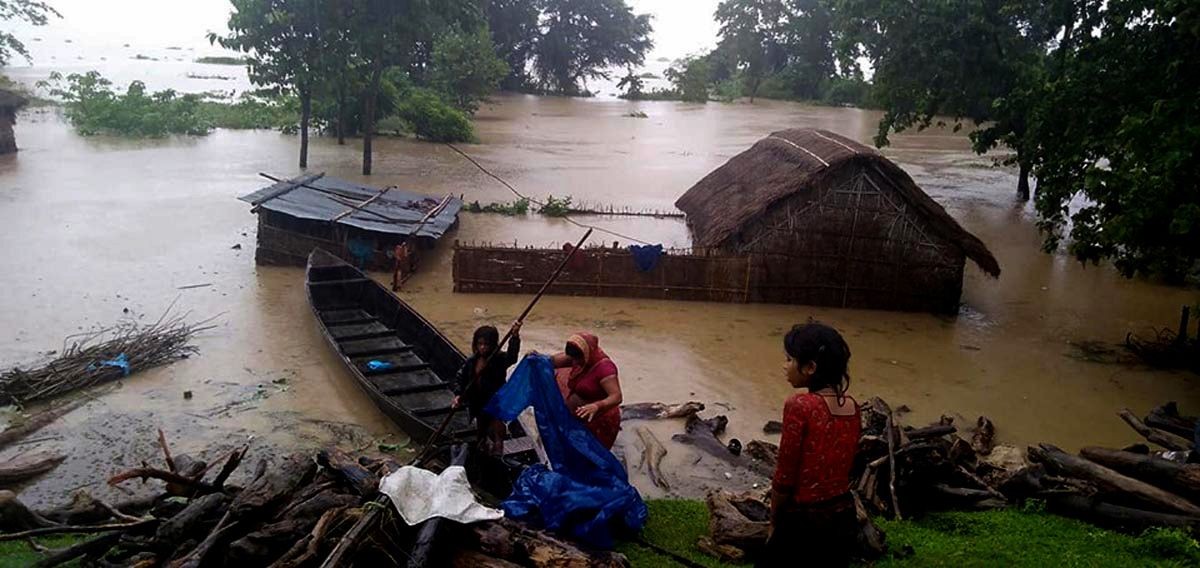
(516, 329)
(587, 411)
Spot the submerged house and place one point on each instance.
(10, 103)
(358, 223)
(824, 220)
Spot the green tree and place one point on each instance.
(514, 28)
(582, 39)
(633, 85)
(284, 42)
(690, 78)
(465, 68)
(1118, 127)
(31, 11)
(981, 61)
(807, 38)
(750, 36)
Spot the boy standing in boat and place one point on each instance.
(483, 374)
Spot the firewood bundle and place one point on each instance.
(294, 512)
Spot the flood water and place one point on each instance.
(91, 227)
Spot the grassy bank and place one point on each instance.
(1012, 537)
(18, 554)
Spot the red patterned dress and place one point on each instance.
(812, 479)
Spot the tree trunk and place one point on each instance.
(340, 123)
(1112, 482)
(1180, 478)
(1023, 180)
(305, 117)
(368, 126)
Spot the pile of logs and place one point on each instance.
(904, 471)
(295, 512)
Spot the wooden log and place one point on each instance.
(348, 470)
(1116, 517)
(515, 542)
(199, 555)
(308, 549)
(1167, 418)
(85, 509)
(15, 516)
(68, 529)
(186, 523)
(93, 547)
(14, 434)
(273, 486)
(1165, 439)
(162, 443)
(773, 427)
(1110, 480)
(699, 433)
(652, 455)
(28, 466)
(983, 439)
(728, 524)
(723, 552)
(871, 542)
(1169, 475)
(934, 431)
(765, 452)
(889, 433)
(268, 543)
(192, 486)
(659, 411)
(476, 559)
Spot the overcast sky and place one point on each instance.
(681, 27)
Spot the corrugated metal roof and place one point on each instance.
(397, 212)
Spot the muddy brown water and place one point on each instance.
(93, 226)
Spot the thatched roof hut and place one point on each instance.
(10, 103)
(833, 222)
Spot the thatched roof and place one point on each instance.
(10, 99)
(790, 161)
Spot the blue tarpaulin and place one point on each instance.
(587, 488)
(646, 257)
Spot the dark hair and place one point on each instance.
(574, 351)
(818, 343)
(487, 333)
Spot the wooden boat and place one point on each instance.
(396, 356)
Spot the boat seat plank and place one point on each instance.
(339, 282)
(423, 403)
(406, 382)
(356, 331)
(402, 361)
(339, 317)
(518, 445)
(379, 345)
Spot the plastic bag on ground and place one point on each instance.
(419, 495)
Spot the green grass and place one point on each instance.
(18, 554)
(1011, 537)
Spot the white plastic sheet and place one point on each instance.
(419, 495)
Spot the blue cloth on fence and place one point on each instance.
(121, 362)
(587, 487)
(646, 257)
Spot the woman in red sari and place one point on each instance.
(588, 379)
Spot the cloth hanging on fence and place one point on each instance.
(646, 257)
(587, 487)
(419, 495)
(362, 250)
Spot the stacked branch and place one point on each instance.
(291, 513)
(100, 356)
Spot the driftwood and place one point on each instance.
(891, 434)
(88, 547)
(702, 435)
(1165, 439)
(1110, 480)
(203, 510)
(1117, 517)
(652, 455)
(729, 523)
(14, 434)
(84, 509)
(174, 480)
(659, 411)
(984, 437)
(871, 541)
(773, 427)
(28, 467)
(1167, 418)
(67, 529)
(15, 516)
(348, 469)
(476, 559)
(722, 552)
(765, 452)
(1169, 475)
(934, 431)
(517, 543)
(308, 549)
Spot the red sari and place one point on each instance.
(583, 381)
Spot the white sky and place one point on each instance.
(681, 27)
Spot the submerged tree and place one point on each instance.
(1119, 126)
(465, 68)
(582, 39)
(31, 11)
(284, 43)
(749, 35)
(514, 28)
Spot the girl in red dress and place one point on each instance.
(588, 379)
(812, 511)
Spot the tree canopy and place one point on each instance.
(32, 11)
